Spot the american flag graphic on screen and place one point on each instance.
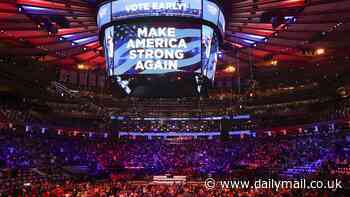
(123, 65)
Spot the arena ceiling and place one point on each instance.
(259, 32)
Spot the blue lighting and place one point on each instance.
(290, 19)
(34, 8)
(82, 40)
(256, 37)
(68, 36)
(237, 117)
(248, 41)
(251, 37)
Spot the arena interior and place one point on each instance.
(203, 98)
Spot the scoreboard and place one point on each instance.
(161, 37)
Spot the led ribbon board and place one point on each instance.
(127, 9)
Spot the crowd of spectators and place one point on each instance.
(90, 116)
(127, 189)
(338, 110)
(10, 114)
(75, 108)
(25, 154)
(37, 164)
(168, 126)
(194, 157)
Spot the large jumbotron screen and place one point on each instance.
(155, 48)
(160, 47)
(152, 39)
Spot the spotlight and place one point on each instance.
(81, 66)
(220, 55)
(320, 51)
(274, 62)
(230, 69)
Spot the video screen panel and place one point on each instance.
(155, 48)
(138, 8)
(210, 12)
(222, 23)
(109, 49)
(104, 14)
(210, 49)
